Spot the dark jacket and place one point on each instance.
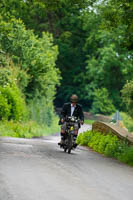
(66, 111)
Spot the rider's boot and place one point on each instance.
(62, 140)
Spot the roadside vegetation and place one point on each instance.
(89, 121)
(109, 145)
(28, 78)
(127, 121)
(27, 129)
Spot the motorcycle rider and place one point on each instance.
(71, 109)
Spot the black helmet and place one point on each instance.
(74, 98)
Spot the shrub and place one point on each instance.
(112, 146)
(5, 108)
(84, 138)
(127, 155)
(12, 105)
(11, 73)
(36, 57)
(127, 121)
(108, 145)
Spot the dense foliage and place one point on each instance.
(94, 39)
(108, 145)
(34, 55)
(127, 94)
(51, 49)
(12, 105)
(101, 103)
(27, 74)
(74, 25)
(12, 101)
(127, 121)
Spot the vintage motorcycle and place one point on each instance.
(69, 142)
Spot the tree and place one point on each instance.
(118, 14)
(102, 104)
(94, 41)
(127, 97)
(109, 64)
(62, 19)
(12, 101)
(109, 70)
(36, 56)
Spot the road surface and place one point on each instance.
(36, 169)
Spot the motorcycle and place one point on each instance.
(69, 142)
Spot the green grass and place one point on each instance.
(88, 121)
(28, 129)
(127, 121)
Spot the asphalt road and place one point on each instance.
(38, 169)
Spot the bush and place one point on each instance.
(12, 105)
(127, 121)
(127, 155)
(83, 138)
(27, 65)
(35, 56)
(5, 108)
(108, 145)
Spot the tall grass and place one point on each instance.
(28, 129)
(42, 121)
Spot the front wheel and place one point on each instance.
(70, 143)
(69, 151)
(65, 149)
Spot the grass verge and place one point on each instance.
(88, 121)
(28, 129)
(109, 145)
